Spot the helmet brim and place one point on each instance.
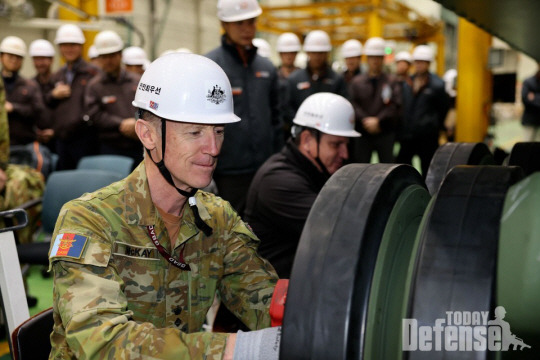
(207, 119)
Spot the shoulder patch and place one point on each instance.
(68, 245)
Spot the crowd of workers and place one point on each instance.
(280, 133)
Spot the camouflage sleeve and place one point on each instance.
(93, 309)
(4, 129)
(248, 280)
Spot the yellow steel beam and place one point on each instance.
(473, 83)
(375, 21)
(358, 19)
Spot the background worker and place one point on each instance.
(376, 98)
(403, 64)
(288, 45)
(318, 75)
(75, 135)
(285, 187)
(23, 104)
(42, 53)
(425, 105)
(351, 52)
(256, 101)
(134, 58)
(148, 253)
(93, 56)
(108, 100)
(530, 96)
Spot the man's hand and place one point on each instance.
(530, 96)
(371, 124)
(61, 91)
(127, 128)
(8, 106)
(3, 181)
(44, 135)
(229, 348)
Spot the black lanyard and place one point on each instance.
(180, 263)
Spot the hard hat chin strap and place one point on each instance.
(204, 227)
(317, 159)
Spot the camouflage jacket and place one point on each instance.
(23, 184)
(116, 297)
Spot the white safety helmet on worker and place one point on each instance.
(288, 42)
(263, 47)
(92, 52)
(317, 41)
(69, 34)
(237, 10)
(403, 56)
(327, 112)
(108, 42)
(13, 45)
(351, 48)
(133, 55)
(422, 53)
(375, 46)
(41, 48)
(186, 88)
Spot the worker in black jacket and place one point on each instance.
(286, 185)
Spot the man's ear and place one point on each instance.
(305, 137)
(146, 133)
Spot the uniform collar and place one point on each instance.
(140, 210)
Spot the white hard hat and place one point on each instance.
(186, 88)
(184, 50)
(449, 78)
(237, 10)
(301, 60)
(403, 56)
(92, 52)
(146, 64)
(13, 45)
(263, 47)
(317, 41)
(69, 34)
(327, 112)
(41, 47)
(351, 48)
(133, 55)
(374, 46)
(422, 53)
(108, 42)
(288, 42)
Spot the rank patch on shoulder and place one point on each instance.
(68, 245)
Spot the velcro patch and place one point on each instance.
(68, 245)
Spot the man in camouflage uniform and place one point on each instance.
(18, 183)
(118, 293)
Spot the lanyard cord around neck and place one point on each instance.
(180, 263)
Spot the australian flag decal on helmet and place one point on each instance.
(216, 95)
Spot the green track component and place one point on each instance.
(518, 268)
(395, 265)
